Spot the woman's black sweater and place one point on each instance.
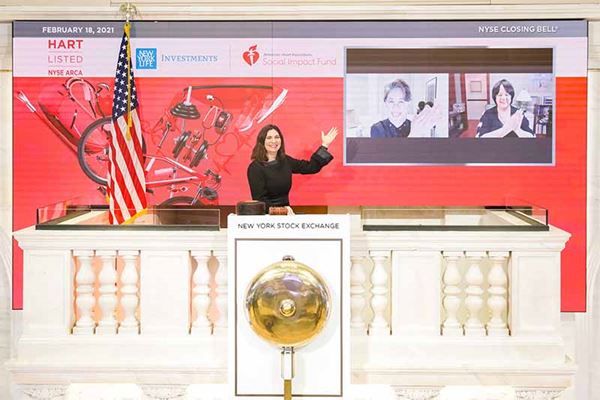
(271, 181)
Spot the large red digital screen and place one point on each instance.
(307, 77)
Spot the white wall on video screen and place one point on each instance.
(364, 99)
(539, 88)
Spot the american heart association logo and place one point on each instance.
(251, 56)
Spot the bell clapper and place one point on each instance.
(287, 370)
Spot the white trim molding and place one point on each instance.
(306, 10)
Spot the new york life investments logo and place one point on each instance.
(145, 58)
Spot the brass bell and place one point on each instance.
(287, 304)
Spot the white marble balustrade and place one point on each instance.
(428, 309)
(143, 305)
(106, 301)
(487, 318)
(472, 304)
(475, 307)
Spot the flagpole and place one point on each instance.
(127, 27)
(128, 9)
(126, 176)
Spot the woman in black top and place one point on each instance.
(400, 122)
(270, 172)
(503, 120)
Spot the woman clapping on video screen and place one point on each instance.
(503, 120)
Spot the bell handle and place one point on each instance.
(287, 389)
(287, 370)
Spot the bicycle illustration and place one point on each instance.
(200, 120)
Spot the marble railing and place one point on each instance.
(472, 304)
(108, 292)
(429, 309)
(121, 307)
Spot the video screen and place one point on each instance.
(449, 106)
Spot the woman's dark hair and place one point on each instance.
(259, 153)
(397, 84)
(507, 86)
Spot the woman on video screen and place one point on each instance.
(503, 120)
(400, 122)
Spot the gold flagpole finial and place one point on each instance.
(129, 10)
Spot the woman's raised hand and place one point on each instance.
(329, 137)
(422, 123)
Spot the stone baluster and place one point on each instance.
(201, 294)
(497, 300)
(451, 280)
(357, 295)
(474, 292)
(380, 299)
(221, 299)
(108, 292)
(84, 292)
(129, 293)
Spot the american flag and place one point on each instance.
(126, 180)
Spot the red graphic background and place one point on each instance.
(46, 172)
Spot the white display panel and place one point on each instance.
(322, 366)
